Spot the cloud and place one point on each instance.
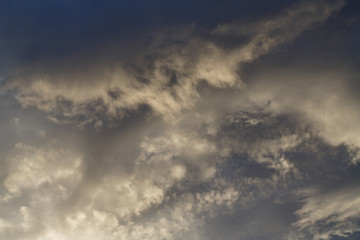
(38, 179)
(167, 76)
(115, 206)
(177, 180)
(236, 150)
(324, 100)
(337, 211)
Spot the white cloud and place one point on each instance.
(38, 181)
(32, 167)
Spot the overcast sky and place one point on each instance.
(179, 120)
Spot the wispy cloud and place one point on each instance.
(167, 77)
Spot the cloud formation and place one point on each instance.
(205, 129)
(165, 76)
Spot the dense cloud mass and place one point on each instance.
(179, 120)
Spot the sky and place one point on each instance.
(172, 120)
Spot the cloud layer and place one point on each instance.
(205, 129)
